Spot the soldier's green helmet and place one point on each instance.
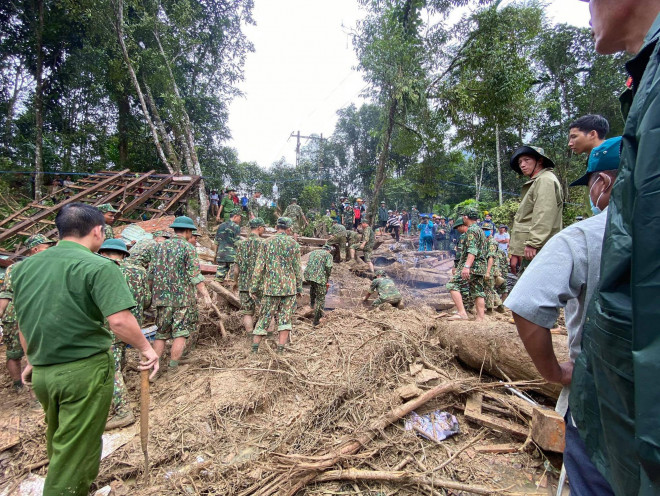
(106, 207)
(114, 245)
(256, 222)
(327, 247)
(284, 222)
(183, 222)
(458, 222)
(470, 212)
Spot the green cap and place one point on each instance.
(486, 225)
(470, 212)
(458, 222)
(294, 199)
(183, 222)
(162, 234)
(256, 222)
(327, 247)
(236, 211)
(532, 151)
(114, 245)
(106, 207)
(38, 239)
(195, 232)
(284, 222)
(380, 272)
(606, 156)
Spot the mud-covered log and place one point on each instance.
(230, 297)
(495, 348)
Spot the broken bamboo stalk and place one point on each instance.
(221, 324)
(353, 474)
(230, 297)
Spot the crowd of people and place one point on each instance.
(73, 305)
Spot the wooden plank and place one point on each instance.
(497, 448)
(512, 401)
(9, 432)
(548, 429)
(184, 191)
(473, 412)
(120, 191)
(147, 194)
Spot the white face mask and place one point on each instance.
(594, 206)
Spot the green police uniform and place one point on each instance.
(387, 292)
(317, 272)
(226, 237)
(247, 251)
(68, 345)
(277, 278)
(176, 273)
(228, 206)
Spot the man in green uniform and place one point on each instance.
(317, 272)
(109, 216)
(246, 258)
(142, 253)
(337, 239)
(386, 289)
(225, 239)
(278, 279)
(35, 244)
(68, 345)
(227, 205)
(136, 278)
(176, 275)
(474, 268)
(295, 213)
(382, 216)
(457, 283)
(253, 205)
(348, 217)
(414, 220)
(366, 244)
(492, 268)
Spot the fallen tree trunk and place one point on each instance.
(230, 297)
(495, 348)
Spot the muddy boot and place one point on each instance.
(254, 349)
(18, 386)
(500, 309)
(120, 419)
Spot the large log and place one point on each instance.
(495, 348)
(231, 298)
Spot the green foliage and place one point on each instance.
(504, 214)
(310, 198)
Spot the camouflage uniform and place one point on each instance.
(348, 218)
(338, 238)
(246, 258)
(225, 238)
(414, 221)
(253, 207)
(368, 238)
(387, 292)
(503, 262)
(317, 272)
(492, 298)
(14, 350)
(176, 273)
(295, 213)
(457, 283)
(277, 277)
(477, 245)
(108, 232)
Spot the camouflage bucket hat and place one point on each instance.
(458, 222)
(380, 272)
(470, 213)
(236, 211)
(38, 239)
(284, 222)
(183, 222)
(195, 232)
(106, 207)
(114, 245)
(327, 247)
(256, 222)
(162, 234)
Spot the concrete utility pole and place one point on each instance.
(298, 136)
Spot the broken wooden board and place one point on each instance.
(9, 432)
(548, 430)
(496, 449)
(473, 412)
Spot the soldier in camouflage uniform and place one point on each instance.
(503, 261)
(14, 350)
(317, 272)
(492, 269)
(142, 253)
(225, 239)
(474, 269)
(246, 258)
(136, 278)
(366, 244)
(176, 275)
(386, 289)
(109, 215)
(457, 283)
(253, 205)
(295, 213)
(348, 217)
(414, 220)
(337, 239)
(278, 279)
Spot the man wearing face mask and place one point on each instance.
(539, 215)
(565, 274)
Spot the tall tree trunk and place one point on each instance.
(119, 28)
(39, 105)
(167, 144)
(124, 108)
(382, 159)
(499, 164)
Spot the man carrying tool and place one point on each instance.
(278, 279)
(35, 244)
(109, 216)
(317, 273)
(386, 289)
(69, 355)
(225, 239)
(246, 258)
(121, 413)
(176, 276)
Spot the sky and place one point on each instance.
(303, 70)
